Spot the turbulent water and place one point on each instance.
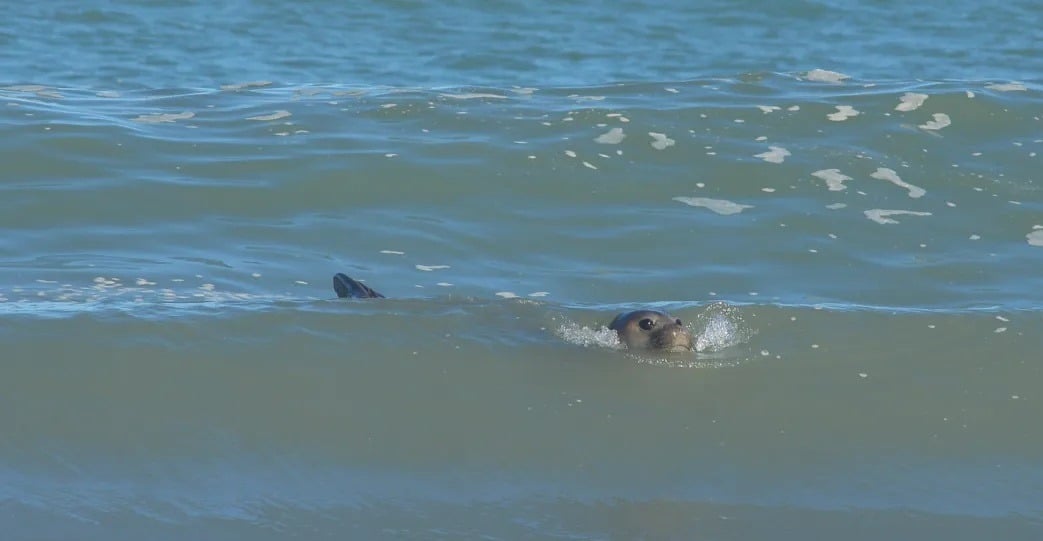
(842, 200)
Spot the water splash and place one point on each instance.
(581, 335)
(720, 326)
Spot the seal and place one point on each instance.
(346, 286)
(640, 329)
(652, 329)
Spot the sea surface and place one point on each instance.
(842, 199)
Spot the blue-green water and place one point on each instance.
(842, 199)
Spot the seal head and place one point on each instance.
(653, 330)
(346, 286)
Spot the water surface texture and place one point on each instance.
(841, 199)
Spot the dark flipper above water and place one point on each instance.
(346, 286)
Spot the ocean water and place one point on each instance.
(841, 199)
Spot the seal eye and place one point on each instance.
(678, 321)
(646, 324)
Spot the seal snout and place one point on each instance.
(674, 338)
(651, 329)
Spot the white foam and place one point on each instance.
(720, 206)
(773, 155)
(243, 86)
(722, 326)
(578, 97)
(274, 116)
(429, 268)
(883, 173)
(611, 137)
(474, 96)
(507, 295)
(112, 292)
(574, 333)
(392, 252)
(660, 141)
(1035, 238)
(26, 88)
(843, 113)
(1007, 87)
(941, 120)
(589, 165)
(164, 117)
(910, 101)
(768, 108)
(825, 76)
(833, 177)
(881, 216)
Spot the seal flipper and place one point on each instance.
(346, 286)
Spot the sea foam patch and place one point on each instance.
(883, 216)
(773, 155)
(243, 86)
(1035, 237)
(833, 177)
(825, 76)
(611, 137)
(883, 173)
(274, 116)
(1007, 87)
(843, 113)
(164, 117)
(660, 141)
(474, 96)
(910, 101)
(720, 206)
(940, 120)
(114, 293)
